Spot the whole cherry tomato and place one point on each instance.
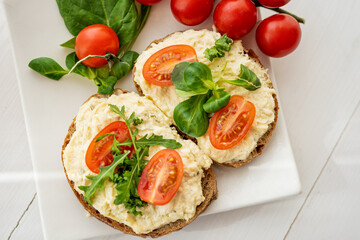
(161, 177)
(148, 2)
(96, 39)
(278, 35)
(273, 3)
(191, 12)
(229, 125)
(236, 18)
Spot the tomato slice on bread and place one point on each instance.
(231, 124)
(99, 153)
(161, 177)
(157, 69)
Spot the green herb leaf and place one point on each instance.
(247, 79)
(80, 69)
(177, 76)
(126, 63)
(69, 44)
(190, 116)
(217, 101)
(120, 15)
(158, 140)
(97, 181)
(184, 94)
(48, 68)
(198, 78)
(137, 121)
(104, 135)
(106, 86)
(221, 45)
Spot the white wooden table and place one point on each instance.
(319, 88)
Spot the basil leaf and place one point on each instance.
(126, 63)
(120, 15)
(97, 182)
(198, 78)
(69, 44)
(217, 101)
(190, 116)
(80, 69)
(47, 67)
(106, 86)
(177, 76)
(247, 79)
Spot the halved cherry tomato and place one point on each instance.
(157, 69)
(99, 153)
(231, 124)
(161, 177)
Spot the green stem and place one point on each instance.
(280, 10)
(107, 56)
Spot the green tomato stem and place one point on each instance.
(280, 10)
(107, 56)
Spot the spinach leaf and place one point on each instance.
(198, 78)
(69, 44)
(190, 116)
(47, 67)
(120, 15)
(126, 63)
(247, 79)
(217, 101)
(221, 45)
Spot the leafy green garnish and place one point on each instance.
(221, 45)
(137, 121)
(97, 181)
(194, 81)
(126, 177)
(48, 68)
(247, 79)
(125, 17)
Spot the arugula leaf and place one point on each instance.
(158, 140)
(97, 181)
(190, 116)
(47, 67)
(247, 79)
(69, 44)
(221, 45)
(217, 101)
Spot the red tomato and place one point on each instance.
(190, 12)
(157, 69)
(148, 2)
(278, 35)
(231, 124)
(161, 177)
(273, 3)
(236, 18)
(99, 153)
(96, 39)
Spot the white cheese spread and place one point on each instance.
(93, 116)
(227, 67)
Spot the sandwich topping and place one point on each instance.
(177, 172)
(230, 64)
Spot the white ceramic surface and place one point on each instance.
(49, 106)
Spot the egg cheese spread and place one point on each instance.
(93, 116)
(228, 67)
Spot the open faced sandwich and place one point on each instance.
(213, 90)
(133, 171)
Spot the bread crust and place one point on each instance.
(208, 184)
(261, 142)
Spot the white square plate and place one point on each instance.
(37, 29)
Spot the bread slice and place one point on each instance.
(208, 184)
(262, 141)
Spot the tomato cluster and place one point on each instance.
(276, 36)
